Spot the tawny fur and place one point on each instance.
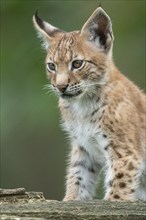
(103, 112)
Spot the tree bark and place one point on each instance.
(17, 204)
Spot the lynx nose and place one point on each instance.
(62, 88)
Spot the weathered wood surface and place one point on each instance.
(18, 204)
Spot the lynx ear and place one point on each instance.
(45, 30)
(98, 29)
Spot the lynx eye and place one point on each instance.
(76, 64)
(51, 67)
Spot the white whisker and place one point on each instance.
(50, 89)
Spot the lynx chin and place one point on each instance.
(102, 111)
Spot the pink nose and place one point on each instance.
(62, 88)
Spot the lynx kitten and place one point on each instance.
(103, 112)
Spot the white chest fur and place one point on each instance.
(85, 132)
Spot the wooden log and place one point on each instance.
(33, 206)
(11, 192)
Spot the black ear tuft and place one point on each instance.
(39, 20)
(36, 12)
(100, 4)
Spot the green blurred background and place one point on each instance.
(33, 147)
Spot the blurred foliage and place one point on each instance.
(33, 147)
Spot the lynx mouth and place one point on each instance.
(69, 95)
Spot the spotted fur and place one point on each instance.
(103, 112)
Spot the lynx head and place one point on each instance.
(77, 61)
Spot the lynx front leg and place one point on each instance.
(122, 177)
(81, 176)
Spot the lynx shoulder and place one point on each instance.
(103, 112)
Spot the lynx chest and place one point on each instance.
(86, 132)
